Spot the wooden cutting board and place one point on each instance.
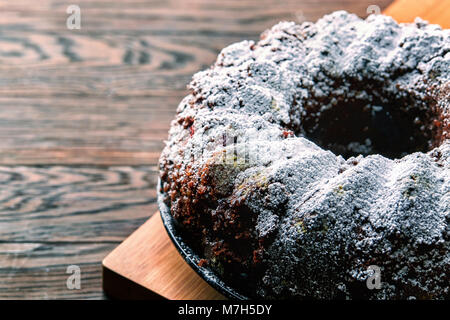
(147, 265)
(434, 11)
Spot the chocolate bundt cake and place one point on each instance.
(303, 162)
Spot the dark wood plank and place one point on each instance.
(39, 270)
(73, 204)
(105, 94)
(172, 17)
(79, 131)
(52, 217)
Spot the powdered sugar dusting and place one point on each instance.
(323, 219)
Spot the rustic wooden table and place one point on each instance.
(83, 116)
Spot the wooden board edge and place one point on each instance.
(121, 281)
(433, 11)
(118, 287)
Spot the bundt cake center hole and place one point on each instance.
(357, 127)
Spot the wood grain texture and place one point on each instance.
(72, 204)
(39, 270)
(52, 217)
(156, 265)
(81, 131)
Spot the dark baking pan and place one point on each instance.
(191, 257)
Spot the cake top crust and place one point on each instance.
(256, 117)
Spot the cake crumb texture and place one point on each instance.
(298, 161)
